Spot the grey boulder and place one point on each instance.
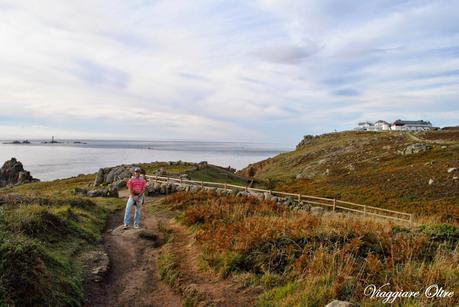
(337, 303)
(415, 149)
(109, 175)
(12, 172)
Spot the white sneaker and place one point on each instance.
(136, 226)
(125, 226)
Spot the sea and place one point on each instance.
(49, 161)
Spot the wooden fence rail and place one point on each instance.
(332, 203)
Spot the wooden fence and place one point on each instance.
(331, 203)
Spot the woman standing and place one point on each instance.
(136, 186)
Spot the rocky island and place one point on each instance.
(53, 141)
(17, 142)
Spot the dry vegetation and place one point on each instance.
(367, 168)
(305, 260)
(447, 135)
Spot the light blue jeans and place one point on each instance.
(127, 213)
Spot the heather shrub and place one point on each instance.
(317, 259)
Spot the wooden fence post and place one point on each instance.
(299, 198)
(411, 220)
(334, 204)
(365, 210)
(202, 184)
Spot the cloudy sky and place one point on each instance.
(268, 71)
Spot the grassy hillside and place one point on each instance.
(43, 229)
(299, 259)
(218, 174)
(368, 168)
(175, 168)
(210, 173)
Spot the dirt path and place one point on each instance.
(418, 139)
(210, 288)
(133, 278)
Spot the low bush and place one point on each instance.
(30, 276)
(317, 259)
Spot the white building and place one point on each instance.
(398, 125)
(366, 126)
(411, 125)
(382, 125)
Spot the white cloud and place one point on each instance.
(230, 70)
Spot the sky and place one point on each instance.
(256, 71)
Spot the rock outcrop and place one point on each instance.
(307, 139)
(202, 164)
(101, 191)
(108, 175)
(337, 303)
(109, 191)
(12, 173)
(415, 149)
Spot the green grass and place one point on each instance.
(167, 266)
(211, 173)
(277, 296)
(170, 274)
(160, 210)
(216, 174)
(149, 168)
(55, 188)
(43, 228)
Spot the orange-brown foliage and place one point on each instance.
(352, 252)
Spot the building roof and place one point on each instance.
(382, 121)
(400, 122)
(367, 122)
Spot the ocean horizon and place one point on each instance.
(71, 157)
